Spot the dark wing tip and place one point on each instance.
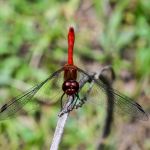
(145, 117)
(4, 108)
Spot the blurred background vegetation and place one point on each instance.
(33, 45)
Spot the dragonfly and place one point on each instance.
(65, 81)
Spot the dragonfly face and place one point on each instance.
(70, 87)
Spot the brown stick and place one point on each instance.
(61, 125)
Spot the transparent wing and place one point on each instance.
(29, 99)
(112, 99)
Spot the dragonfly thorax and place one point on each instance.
(70, 87)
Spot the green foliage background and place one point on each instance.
(33, 45)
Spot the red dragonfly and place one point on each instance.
(65, 81)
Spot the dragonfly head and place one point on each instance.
(70, 87)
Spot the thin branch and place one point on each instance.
(61, 125)
(85, 79)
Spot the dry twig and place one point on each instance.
(61, 125)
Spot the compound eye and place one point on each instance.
(66, 85)
(70, 91)
(75, 85)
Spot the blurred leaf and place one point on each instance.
(124, 38)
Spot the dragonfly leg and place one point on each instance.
(61, 100)
(80, 103)
(67, 109)
(73, 105)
